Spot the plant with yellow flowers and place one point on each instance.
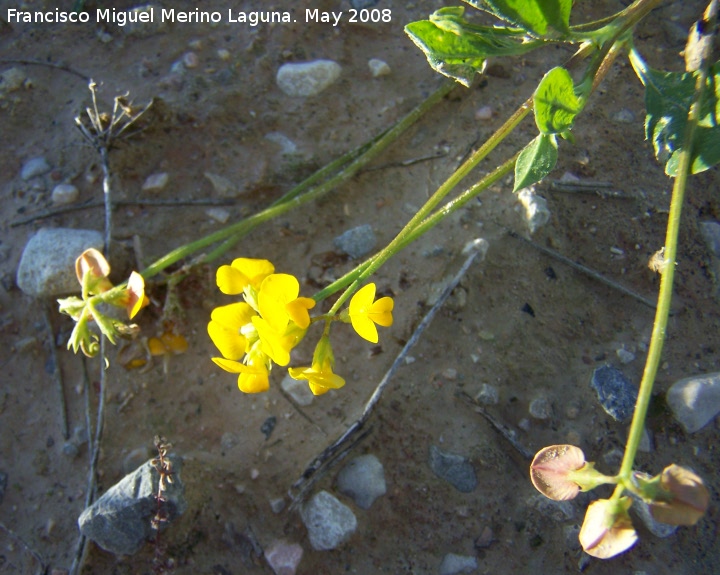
(273, 318)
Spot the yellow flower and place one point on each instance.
(225, 329)
(278, 302)
(365, 313)
(320, 375)
(135, 298)
(253, 376)
(277, 344)
(243, 272)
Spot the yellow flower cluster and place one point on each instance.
(264, 328)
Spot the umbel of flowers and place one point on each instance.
(273, 318)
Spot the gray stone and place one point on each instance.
(378, 67)
(454, 469)
(540, 408)
(623, 116)
(558, 511)
(695, 401)
(283, 557)
(120, 521)
(298, 390)
(34, 168)
(287, 146)
(64, 194)
(47, 264)
(642, 510)
(488, 395)
(222, 185)
(328, 521)
(363, 480)
(615, 392)
(356, 242)
(10, 80)
(537, 213)
(307, 78)
(453, 564)
(711, 234)
(155, 182)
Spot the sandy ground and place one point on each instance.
(215, 117)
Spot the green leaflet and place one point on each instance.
(534, 16)
(556, 104)
(535, 161)
(458, 49)
(668, 96)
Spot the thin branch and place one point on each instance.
(63, 67)
(348, 440)
(57, 375)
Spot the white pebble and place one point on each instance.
(64, 194)
(625, 356)
(378, 67)
(155, 182)
(218, 214)
(483, 114)
(190, 60)
(537, 213)
(304, 79)
(223, 54)
(488, 395)
(540, 408)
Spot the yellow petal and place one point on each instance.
(364, 327)
(254, 270)
(231, 344)
(381, 311)
(276, 291)
(298, 308)
(137, 298)
(156, 347)
(274, 344)
(254, 382)
(233, 316)
(227, 365)
(362, 300)
(231, 281)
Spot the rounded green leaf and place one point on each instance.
(536, 161)
(556, 104)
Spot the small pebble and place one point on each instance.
(615, 392)
(378, 67)
(695, 401)
(453, 564)
(363, 480)
(190, 60)
(450, 374)
(254, 473)
(287, 146)
(283, 557)
(537, 213)
(484, 114)
(218, 214)
(34, 168)
(625, 356)
(277, 505)
(298, 390)
(710, 232)
(305, 79)
(64, 194)
(486, 538)
(11, 79)
(223, 186)
(488, 395)
(540, 408)
(454, 469)
(328, 521)
(356, 242)
(223, 54)
(624, 116)
(155, 182)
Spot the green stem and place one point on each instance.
(405, 235)
(666, 283)
(295, 198)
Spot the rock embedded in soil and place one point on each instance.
(615, 392)
(328, 521)
(453, 564)
(488, 395)
(378, 67)
(710, 232)
(64, 194)
(305, 79)
(298, 390)
(283, 557)
(120, 521)
(363, 480)
(47, 264)
(33, 168)
(454, 469)
(540, 408)
(155, 182)
(695, 401)
(356, 242)
(537, 213)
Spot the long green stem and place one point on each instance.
(666, 281)
(295, 198)
(401, 238)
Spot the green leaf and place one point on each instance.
(534, 16)
(458, 49)
(555, 102)
(536, 161)
(668, 96)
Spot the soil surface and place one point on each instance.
(521, 321)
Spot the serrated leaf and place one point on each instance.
(534, 16)
(668, 96)
(555, 102)
(536, 161)
(458, 49)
